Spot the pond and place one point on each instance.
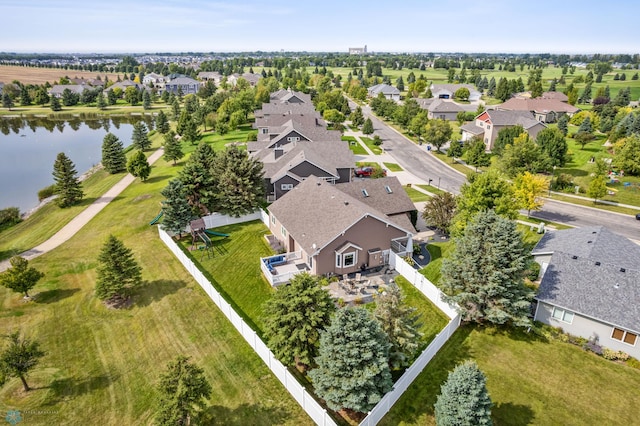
(29, 147)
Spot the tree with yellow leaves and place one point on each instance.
(529, 189)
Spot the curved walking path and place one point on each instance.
(78, 222)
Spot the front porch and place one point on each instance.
(280, 268)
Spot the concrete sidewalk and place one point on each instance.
(78, 222)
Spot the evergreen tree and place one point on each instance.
(505, 137)
(55, 103)
(146, 100)
(353, 370)
(162, 123)
(175, 207)
(20, 357)
(356, 117)
(491, 88)
(240, 186)
(113, 158)
(140, 137)
(294, 317)
(199, 182)
(190, 132)
(20, 277)
(101, 102)
(563, 124)
(400, 323)
(367, 127)
(138, 166)
(485, 273)
(7, 101)
(183, 390)
(464, 399)
(172, 147)
(67, 185)
(118, 271)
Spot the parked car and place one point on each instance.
(637, 216)
(366, 171)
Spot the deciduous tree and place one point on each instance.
(485, 273)
(439, 211)
(597, 188)
(464, 399)
(138, 166)
(19, 358)
(553, 143)
(367, 127)
(529, 189)
(523, 156)
(183, 392)
(505, 137)
(118, 271)
(294, 317)
(627, 154)
(437, 132)
(113, 158)
(20, 277)
(399, 321)
(353, 365)
(67, 185)
(475, 153)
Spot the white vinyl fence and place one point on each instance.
(215, 220)
(306, 401)
(314, 410)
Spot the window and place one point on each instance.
(562, 315)
(286, 186)
(624, 336)
(338, 260)
(345, 260)
(488, 127)
(273, 219)
(293, 138)
(283, 231)
(388, 189)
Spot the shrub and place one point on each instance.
(593, 346)
(46, 192)
(562, 182)
(9, 217)
(252, 136)
(533, 270)
(633, 363)
(612, 355)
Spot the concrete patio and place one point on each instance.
(370, 284)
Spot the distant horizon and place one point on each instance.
(408, 26)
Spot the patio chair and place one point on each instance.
(358, 277)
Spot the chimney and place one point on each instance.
(278, 152)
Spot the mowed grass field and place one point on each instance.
(102, 365)
(32, 75)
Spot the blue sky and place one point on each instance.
(560, 26)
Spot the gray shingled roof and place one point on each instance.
(441, 105)
(538, 104)
(315, 213)
(385, 89)
(311, 132)
(327, 155)
(511, 118)
(435, 88)
(472, 128)
(284, 95)
(284, 108)
(603, 292)
(596, 243)
(389, 203)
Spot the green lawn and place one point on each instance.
(438, 252)
(432, 189)
(373, 147)
(102, 365)
(354, 146)
(415, 195)
(393, 167)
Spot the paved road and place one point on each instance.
(415, 159)
(425, 166)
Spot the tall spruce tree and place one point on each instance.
(20, 277)
(140, 137)
(175, 207)
(172, 147)
(353, 365)
(485, 274)
(67, 185)
(138, 166)
(563, 124)
(101, 102)
(55, 103)
(294, 317)
(464, 399)
(199, 182)
(146, 100)
(183, 390)
(20, 357)
(113, 158)
(399, 321)
(162, 122)
(367, 127)
(118, 271)
(240, 187)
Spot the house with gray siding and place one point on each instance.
(387, 91)
(187, 85)
(590, 286)
(329, 232)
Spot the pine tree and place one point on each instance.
(101, 103)
(240, 186)
(367, 127)
(20, 357)
(172, 147)
(67, 185)
(138, 166)
(162, 122)
(464, 399)
(55, 103)
(563, 124)
(183, 388)
(199, 181)
(7, 101)
(20, 277)
(399, 321)
(140, 138)
(113, 158)
(118, 271)
(353, 365)
(146, 100)
(485, 273)
(176, 208)
(294, 317)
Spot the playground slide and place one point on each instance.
(156, 219)
(217, 234)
